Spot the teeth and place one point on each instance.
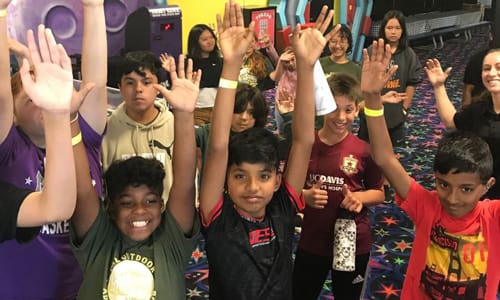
(139, 223)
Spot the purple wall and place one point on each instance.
(64, 17)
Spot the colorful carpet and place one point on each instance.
(392, 230)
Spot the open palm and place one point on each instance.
(52, 85)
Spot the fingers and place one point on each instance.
(321, 17)
(64, 60)
(220, 25)
(333, 32)
(42, 44)
(182, 72)
(160, 88)
(25, 73)
(173, 69)
(326, 23)
(35, 55)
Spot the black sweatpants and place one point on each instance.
(310, 272)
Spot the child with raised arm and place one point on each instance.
(46, 268)
(455, 253)
(50, 90)
(341, 177)
(133, 247)
(480, 117)
(247, 209)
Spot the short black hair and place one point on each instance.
(464, 152)
(139, 61)
(134, 172)
(247, 94)
(255, 145)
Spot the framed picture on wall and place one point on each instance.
(265, 22)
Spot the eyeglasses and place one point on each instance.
(341, 42)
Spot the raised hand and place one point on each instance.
(165, 62)
(284, 103)
(315, 197)
(308, 44)
(376, 71)
(234, 38)
(435, 73)
(185, 86)
(350, 202)
(52, 84)
(287, 56)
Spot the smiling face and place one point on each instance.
(139, 95)
(340, 120)
(460, 192)
(136, 212)
(338, 46)
(251, 187)
(491, 72)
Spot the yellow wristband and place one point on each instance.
(228, 84)
(76, 139)
(374, 112)
(3, 12)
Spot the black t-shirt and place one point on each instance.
(11, 200)
(480, 118)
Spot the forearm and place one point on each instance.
(222, 113)
(182, 194)
(444, 106)
(94, 65)
(381, 147)
(370, 197)
(410, 91)
(59, 191)
(272, 53)
(303, 116)
(184, 153)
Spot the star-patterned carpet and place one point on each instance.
(391, 229)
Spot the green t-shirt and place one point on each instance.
(350, 68)
(115, 266)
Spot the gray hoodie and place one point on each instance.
(125, 138)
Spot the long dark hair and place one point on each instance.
(194, 50)
(398, 15)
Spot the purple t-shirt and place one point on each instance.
(44, 268)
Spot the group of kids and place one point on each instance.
(133, 229)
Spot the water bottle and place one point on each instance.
(344, 242)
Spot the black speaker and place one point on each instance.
(157, 29)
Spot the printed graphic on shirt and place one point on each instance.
(349, 165)
(393, 83)
(131, 277)
(330, 183)
(261, 237)
(455, 265)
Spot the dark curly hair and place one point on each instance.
(134, 172)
